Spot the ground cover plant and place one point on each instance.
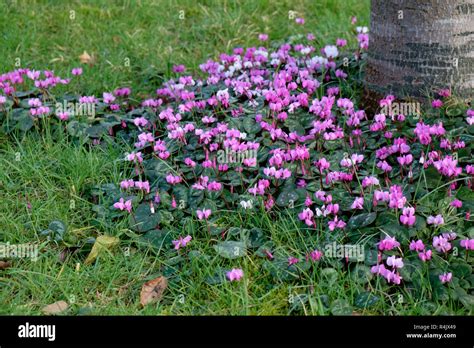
(257, 185)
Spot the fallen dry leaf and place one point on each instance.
(85, 58)
(153, 290)
(5, 264)
(55, 308)
(101, 243)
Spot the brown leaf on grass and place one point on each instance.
(102, 243)
(55, 308)
(5, 264)
(85, 58)
(152, 291)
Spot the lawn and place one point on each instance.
(46, 176)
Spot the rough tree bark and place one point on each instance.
(419, 46)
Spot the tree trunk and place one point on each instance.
(419, 46)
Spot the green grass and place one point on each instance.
(54, 175)
(151, 36)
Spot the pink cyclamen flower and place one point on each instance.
(178, 68)
(235, 274)
(447, 166)
(456, 203)
(468, 244)
(445, 92)
(435, 220)
(418, 245)
(405, 159)
(76, 71)
(341, 42)
(173, 179)
(203, 214)
(306, 216)
(292, 261)
(126, 184)
(124, 205)
(108, 97)
(445, 277)
(336, 223)
(35, 102)
(358, 203)
(140, 121)
(408, 216)
(181, 242)
(315, 255)
(369, 181)
(441, 244)
(263, 37)
(393, 277)
(425, 255)
(437, 103)
(395, 262)
(388, 243)
(299, 21)
(63, 116)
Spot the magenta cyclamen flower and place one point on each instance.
(369, 181)
(447, 166)
(408, 216)
(341, 42)
(468, 244)
(76, 71)
(425, 255)
(358, 203)
(388, 243)
(437, 103)
(124, 205)
(456, 203)
(292, 261)
(306, 216)
(418, 245)
(445, 92)
(390, 276)
(397, 200)
(445, 277)
(203, 214)
(441, 244)
(435, 220)
(235, 274)
(181, 242)
(178, 68)
(299, 21)
(173, 179)
(336, 223)
(405, 160)
(315, 255)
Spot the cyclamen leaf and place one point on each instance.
(361, 220)
(230, 249)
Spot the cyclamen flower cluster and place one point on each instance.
(290, 104)
(390, 274)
